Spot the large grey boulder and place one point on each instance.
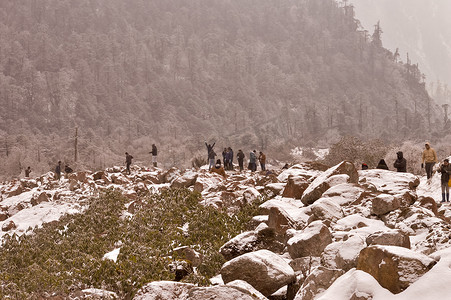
(188, 179)
(389, 238)
(317, 282)
(186, 291)
(395, 268)
(326, 209)
(263, 269)
(323, 182)
(343, 254)
(309, 242)
(383, 204)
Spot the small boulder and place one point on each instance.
(343, 254)
(188, 179)
(7, 226)
(429, 203)
(322, 182)
(98, 175)
(311, 241)
(383, 204)
(15, 191)
(395, 268)
(325, 209)
(263, 269)
(3, 216)
(389, 238)
(189, 254)
(43, 197)
(296, 185)
(317, 282)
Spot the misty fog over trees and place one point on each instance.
(268, 74)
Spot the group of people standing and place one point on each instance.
(428, 161)
(228, 155)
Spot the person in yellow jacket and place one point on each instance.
(428, 159)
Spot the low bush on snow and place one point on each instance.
(67, 255)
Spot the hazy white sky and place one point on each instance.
(420, 27)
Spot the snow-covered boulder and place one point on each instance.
(343, 254)
(43, 197)
(325, 209)
(263, 237)
(296, 185)
(243, 243)
(389, 238)
(186, 180)
(319, 280)
(251, 194)
(323, 181)
(309, 242)
(389, 182)
(169, 175)
(274, 189)
(395, 268)
(263, 269)
(384, 203)
(283, 215)
(7, 226)
(186, 291)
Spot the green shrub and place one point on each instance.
(69, 254)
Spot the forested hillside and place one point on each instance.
(250, 73)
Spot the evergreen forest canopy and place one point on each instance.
(247, 73)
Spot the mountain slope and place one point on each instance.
(248, 73)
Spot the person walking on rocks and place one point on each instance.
(400, 163)
(58, 170)
(128, 161)
(445, 169)
(262, 160)
(240, 156)
(428, 159)
(154, 153)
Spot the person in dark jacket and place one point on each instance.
(253, 161)
(240, 156)
(364, 166)
(58, 170)
(154, 153)
(445, 169)
(230, 158)
(27, 172)
(209, 149)
(68, 169)
(382, 165)
(128, 161)
(400, 163)
(211, 159)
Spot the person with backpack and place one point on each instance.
(128, 161)
(445, 170)
(400, 163)
(240, 157)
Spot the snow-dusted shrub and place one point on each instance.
(68, 256)
(358, 151)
